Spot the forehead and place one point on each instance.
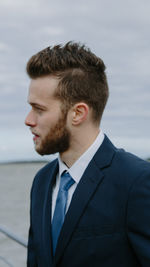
(42, 88)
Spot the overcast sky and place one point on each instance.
(117, 31)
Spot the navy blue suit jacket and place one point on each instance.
(108, 221)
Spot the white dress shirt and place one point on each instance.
(76, 170)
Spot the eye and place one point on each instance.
(38, 110)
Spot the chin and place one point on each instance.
(38, 149)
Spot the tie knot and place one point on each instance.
(66, 181)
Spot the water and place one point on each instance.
(15, 181)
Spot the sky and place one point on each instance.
(117, 31)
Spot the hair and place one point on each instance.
(81, 75)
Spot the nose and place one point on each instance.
(30, 119)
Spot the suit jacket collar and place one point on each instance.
(91, 178)
(105, 154)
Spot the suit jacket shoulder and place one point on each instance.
(123, 166)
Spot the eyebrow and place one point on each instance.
(36, 105)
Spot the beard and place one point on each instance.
(57, 139)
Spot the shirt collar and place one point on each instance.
(77, 169)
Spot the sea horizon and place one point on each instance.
(35, 158)
(20, 147)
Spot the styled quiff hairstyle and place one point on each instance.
(81, 75)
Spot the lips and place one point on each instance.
(35, 136)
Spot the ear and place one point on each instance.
(80, 113)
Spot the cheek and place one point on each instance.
(45, 124)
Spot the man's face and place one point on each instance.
(46, 119)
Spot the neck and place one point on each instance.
(78, 145)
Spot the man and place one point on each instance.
(91, 206)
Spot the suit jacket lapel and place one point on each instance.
(78, 204)
(91, 178)
(46, 225)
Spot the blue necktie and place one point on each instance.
(60, 208)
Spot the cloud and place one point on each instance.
(19, 4)
(116, 31)
(4, 47)
(51, 30)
